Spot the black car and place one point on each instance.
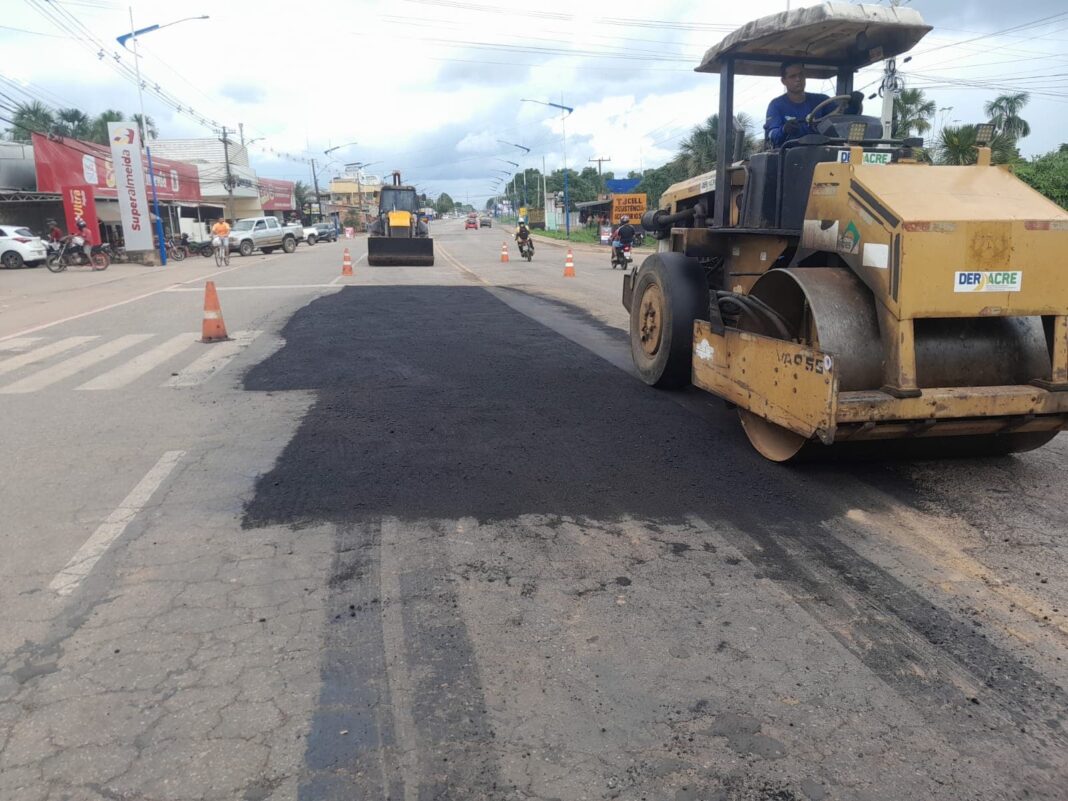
(326, 232)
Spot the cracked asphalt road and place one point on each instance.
(431, 540)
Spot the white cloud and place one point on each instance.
(428, 88)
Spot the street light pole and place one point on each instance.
(144, 120)
(526, 150)
(148, 150)
(564, 112)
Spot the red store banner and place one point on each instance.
(78, 202)
(64, 162)
(276, 195)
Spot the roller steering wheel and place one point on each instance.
(841, 103)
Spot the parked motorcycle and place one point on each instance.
(70, 251)
(621, 256)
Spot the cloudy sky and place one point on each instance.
(431, 86)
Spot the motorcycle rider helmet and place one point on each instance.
(81, 223)
(624, 219)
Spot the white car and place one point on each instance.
(19, 245)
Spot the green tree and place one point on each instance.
(445, 203)
(98, 131)
(656, 181)
(957, 146)
(699, 151)
(1004, 112)
(301, 194)
(141, 125)
(912, 113)
(33, 116)
(72, 122)
(1048, 174)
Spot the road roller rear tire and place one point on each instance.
(670, 292)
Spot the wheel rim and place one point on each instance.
(11, 260)
(651, 319)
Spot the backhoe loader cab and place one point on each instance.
(398, 236)
(838, 289)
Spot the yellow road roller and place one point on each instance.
(839, 289)
(398, 237)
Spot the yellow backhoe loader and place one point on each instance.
(839, 288)
(398, 237)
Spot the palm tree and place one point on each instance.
(1004, 112)
(957, 146)
(153, 131)
(99, 127)
(73, 122)
(912, 113)
(34, 116)
(698, 151)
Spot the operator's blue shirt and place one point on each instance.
(782, 109)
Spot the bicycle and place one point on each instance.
(221, 246)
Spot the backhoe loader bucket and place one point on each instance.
(385, 251)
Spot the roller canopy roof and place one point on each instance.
(822, 37)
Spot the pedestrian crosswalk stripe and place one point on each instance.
(65, 369)
(42, 353)
(21, 343)
(141, 364)
(217, 356)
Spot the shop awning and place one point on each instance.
(108, 211)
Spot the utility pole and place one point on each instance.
(600, 179)
(315, 182)
(229, 176)
(359, 201)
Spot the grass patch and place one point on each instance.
(584, 235)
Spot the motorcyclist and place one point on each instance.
(82, 233)
(55, 233)
(622, 237)
(522, 236)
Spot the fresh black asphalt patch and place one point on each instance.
(443, 403)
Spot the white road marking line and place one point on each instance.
(80, 565)
(18, 344)
(141, 364)
(65, 369)
(214, 359)
(42, 353)
(269, 286)
(208, 276)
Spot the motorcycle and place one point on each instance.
(526, 249)
(621, 255)
(639, 238)
(176, 251)
(70, 251)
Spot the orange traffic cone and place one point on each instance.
(214, 329)
(346, 263)
(504, 252)
(569, 265)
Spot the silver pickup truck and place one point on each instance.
(265, 234)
